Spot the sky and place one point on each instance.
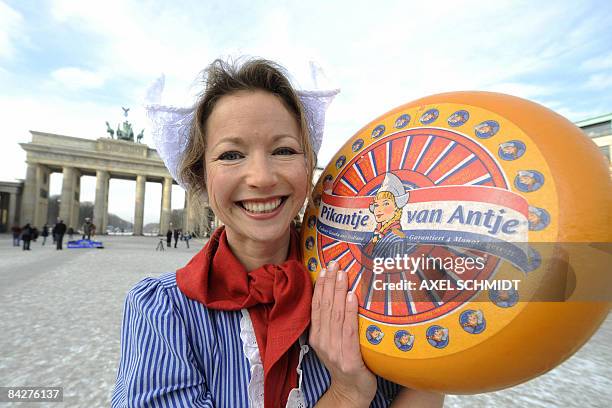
(66, 67)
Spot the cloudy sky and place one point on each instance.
(66, 67)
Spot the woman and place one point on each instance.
(229, 328)
(388, 240)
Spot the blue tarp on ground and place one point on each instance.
(85, 243)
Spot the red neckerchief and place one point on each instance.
(381, 233)
(278, 298)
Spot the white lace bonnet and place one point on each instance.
(170, 124)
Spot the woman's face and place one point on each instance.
(255, 166)
(383, 209)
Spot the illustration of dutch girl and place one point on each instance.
(511, 150)
(312, 264)
(486, 129)
(538, 218)
(404, 340)
(458, 118)
(374, 334)
(504, 298)
(402, 121)
(528, 180)
(429, 116)
(472, 321)
(437, 336)
(388, 239)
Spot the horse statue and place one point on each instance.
(110, 131)
(126, 133)
(140, 136)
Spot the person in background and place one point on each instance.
(16, 230)
(87, 229)
(168, 238)
(177, 234)
(186, 237)
(45, 233)
(60, 230)
(26, 236)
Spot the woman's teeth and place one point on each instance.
(261, 207)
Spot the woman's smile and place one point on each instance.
(262, 206)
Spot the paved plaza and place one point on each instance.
(61, 315)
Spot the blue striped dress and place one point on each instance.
(175, 352)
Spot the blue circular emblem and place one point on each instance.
(458, 118)
(486, 129)
(309, 243)
(534, 260)
(357, 145)
(403, 340)
(504, 298)
(511, 150)
(374, 334)
(538, 218)
(312, 265)
(437, 336)
(528, 180)
(340, 162)
(429, 116)
(472, 321)
(312, 221)
(402, 121)
(378, 131)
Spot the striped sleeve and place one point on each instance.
(156, 367)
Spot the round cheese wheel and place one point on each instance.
(468, 224)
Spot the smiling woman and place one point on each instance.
(231, 327)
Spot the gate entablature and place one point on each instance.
(103, 158)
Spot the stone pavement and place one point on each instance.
(61, 316)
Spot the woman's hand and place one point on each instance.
(334, 337)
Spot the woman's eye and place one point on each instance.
(230, 156)
(285, 151)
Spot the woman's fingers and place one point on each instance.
(337, 314)
(315, 310)
(327, 299)
(350, 330)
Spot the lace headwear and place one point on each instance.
(170, 124)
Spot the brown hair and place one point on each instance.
(223, 78)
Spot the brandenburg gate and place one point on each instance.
(104, 158)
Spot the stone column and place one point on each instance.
(29, 198)
(186, 209)
(166, 205)
(105, 220)
(101, 204)
(42, 196)
(76, 202)
(139, 209)
(12, 210)
(67, 200)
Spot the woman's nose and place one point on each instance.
(261, 172)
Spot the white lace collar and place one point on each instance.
(256, 385)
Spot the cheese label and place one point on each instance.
(430, 211)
